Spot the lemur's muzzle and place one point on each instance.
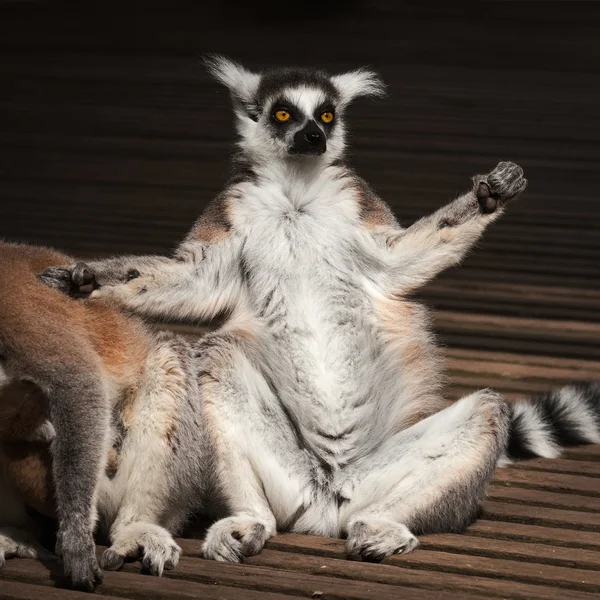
(309, 140)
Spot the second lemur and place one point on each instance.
(323, 388)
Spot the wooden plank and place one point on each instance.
(557, 482)
(505, 371)
(520, 387)
(576, 558)
(554, 517)
(134, 585)
(560, 465)
(584, 453)
(503, 530)
(12, 590)
(582, 579)
(507, 493)
(544, 328)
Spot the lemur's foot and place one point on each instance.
(504, 183)
(154, 544)
(78, 281)
(232, 538)
(372, 540)
(20, 543)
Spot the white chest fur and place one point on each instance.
(303, 252)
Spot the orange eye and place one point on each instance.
(282, 116)
(327, 117)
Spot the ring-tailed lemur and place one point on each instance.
(111, 395)
(323, 388)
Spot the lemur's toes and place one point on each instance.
(58, 278)
(506, 181)
(75, 281)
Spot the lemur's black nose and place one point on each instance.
(309, 140)
(313, 137)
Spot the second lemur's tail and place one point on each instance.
(543, 425)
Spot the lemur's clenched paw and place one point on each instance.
(504, 183)
(230, 539)
(372, 540)
(78, 281)
(155, 544)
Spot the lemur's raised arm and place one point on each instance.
(442, 240)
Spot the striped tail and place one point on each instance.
(543, 425)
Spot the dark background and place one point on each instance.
(113, 138)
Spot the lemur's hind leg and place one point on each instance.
(261, 469)
(148, 464)
(430, 478)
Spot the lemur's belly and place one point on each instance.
(324, 355)
(322, 345)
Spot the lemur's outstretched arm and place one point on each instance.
(199, 282)
(442, 239)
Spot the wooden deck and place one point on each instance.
(112, 139)
(538, 538)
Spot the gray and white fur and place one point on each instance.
(322, 389)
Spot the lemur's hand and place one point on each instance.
(504, 183)
(78, 281)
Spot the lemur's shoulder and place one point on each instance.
(374, 212)
(215, 222)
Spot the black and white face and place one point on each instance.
(292, 112)
(298, 110)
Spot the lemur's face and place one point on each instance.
(298, 110)
(288, 113)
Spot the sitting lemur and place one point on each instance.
(322, 390)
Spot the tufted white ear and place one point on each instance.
(242, 84)
(361, 82)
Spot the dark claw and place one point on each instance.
(111, 560)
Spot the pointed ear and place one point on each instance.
(242, 84)
(361, 82)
